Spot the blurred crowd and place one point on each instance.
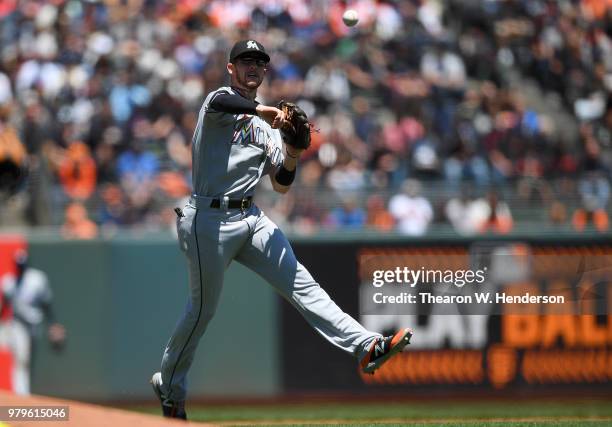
(423, 110)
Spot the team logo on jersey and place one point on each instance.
(247, 132)
(251, 44)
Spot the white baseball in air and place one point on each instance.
(350, 17)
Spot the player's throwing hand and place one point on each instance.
(271, 115)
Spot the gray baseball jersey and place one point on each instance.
(28, 296)
(231, 152)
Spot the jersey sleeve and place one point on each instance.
(232, 103)
(207, 113)
(221, 106)
(210, 97)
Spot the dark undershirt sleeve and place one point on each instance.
(233, 104)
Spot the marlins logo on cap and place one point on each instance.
(252, 47)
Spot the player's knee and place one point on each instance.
(207, 316)
(203, 318)
(307, 288)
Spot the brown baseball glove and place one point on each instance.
(296, 128)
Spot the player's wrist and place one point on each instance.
(285, 176)
(293, 152)
(262, 110)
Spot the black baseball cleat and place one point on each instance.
(385, 348)
(170, 409)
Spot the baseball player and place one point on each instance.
(237, 141)
(27, 302)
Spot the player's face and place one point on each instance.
(249, 72)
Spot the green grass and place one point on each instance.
(465, 424)
(462, 424)
(456, 413)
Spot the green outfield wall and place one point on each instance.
(120, 300)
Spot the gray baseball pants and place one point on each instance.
(211, 238)
(15, 337)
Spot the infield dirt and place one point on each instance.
(87, 415)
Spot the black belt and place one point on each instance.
(243, 204)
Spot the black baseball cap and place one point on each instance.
(252, 47)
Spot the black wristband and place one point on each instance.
(285, 177)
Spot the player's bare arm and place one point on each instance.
(272, 115)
